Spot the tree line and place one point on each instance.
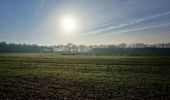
(70, 49)
(22, 48)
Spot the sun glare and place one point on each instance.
(69, 24)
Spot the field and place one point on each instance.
(52, 76)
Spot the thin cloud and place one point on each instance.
(41, 5)
(110, 26)
(141, 28)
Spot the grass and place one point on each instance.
(52, 76)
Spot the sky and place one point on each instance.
(98, 21)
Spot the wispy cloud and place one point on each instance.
(41, 5)
(142, 28)
(110, 26)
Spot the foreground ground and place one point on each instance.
(51, 76)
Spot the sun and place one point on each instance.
(69, 24)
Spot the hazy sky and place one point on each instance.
(98, 21)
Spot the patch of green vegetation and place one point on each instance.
(38, 75)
